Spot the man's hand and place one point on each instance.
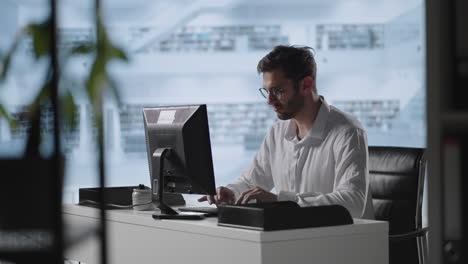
(258, 194)
(223, 196)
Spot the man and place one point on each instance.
(314, 155)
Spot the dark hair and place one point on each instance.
(295, 62)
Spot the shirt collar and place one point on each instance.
(318, 128)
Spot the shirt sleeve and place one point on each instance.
(259, 172)
(351, 176)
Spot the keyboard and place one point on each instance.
(210, 211)
(213, 211)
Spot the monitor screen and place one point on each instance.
(187, 165)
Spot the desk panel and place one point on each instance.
(134, 237)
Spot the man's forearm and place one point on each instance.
(352, 200)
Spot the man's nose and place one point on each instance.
(271, 98)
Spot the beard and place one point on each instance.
(289, 109)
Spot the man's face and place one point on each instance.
(283, 94)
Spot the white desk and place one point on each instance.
(135, 237)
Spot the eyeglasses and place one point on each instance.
(276, 92)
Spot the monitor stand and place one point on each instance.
(166, 211)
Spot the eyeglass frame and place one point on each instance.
(277, 92)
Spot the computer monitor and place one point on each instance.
(179, 153)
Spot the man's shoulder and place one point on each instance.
(346, 131)
(281, 125)
(278, 129)
(341, 121)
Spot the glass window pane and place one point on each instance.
(370, 59)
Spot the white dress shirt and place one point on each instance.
(327, 166)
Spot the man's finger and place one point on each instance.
(202, 199)
(251, 196)
(246, 199)
(232, 200)
(211, 199)
(225, 196)
(241, 197)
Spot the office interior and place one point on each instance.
(373, 60)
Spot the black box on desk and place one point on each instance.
(114, 195)
(120, 196)
(281, 215)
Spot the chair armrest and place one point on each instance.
(413, 234)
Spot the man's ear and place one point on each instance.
(308, 84)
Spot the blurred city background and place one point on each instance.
(370, 59)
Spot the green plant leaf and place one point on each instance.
(84, 49)
(3, 113)
(118, 53)
(115, 90)
(69, 109)
(40, 98)
(5, 66)
(95, 83)
(98, 78)
(41, 38)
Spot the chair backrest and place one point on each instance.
(396, 183)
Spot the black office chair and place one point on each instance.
(396, 182)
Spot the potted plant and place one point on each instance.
(31, 185)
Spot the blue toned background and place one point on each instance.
(370, 57)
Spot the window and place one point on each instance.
(370, 59)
